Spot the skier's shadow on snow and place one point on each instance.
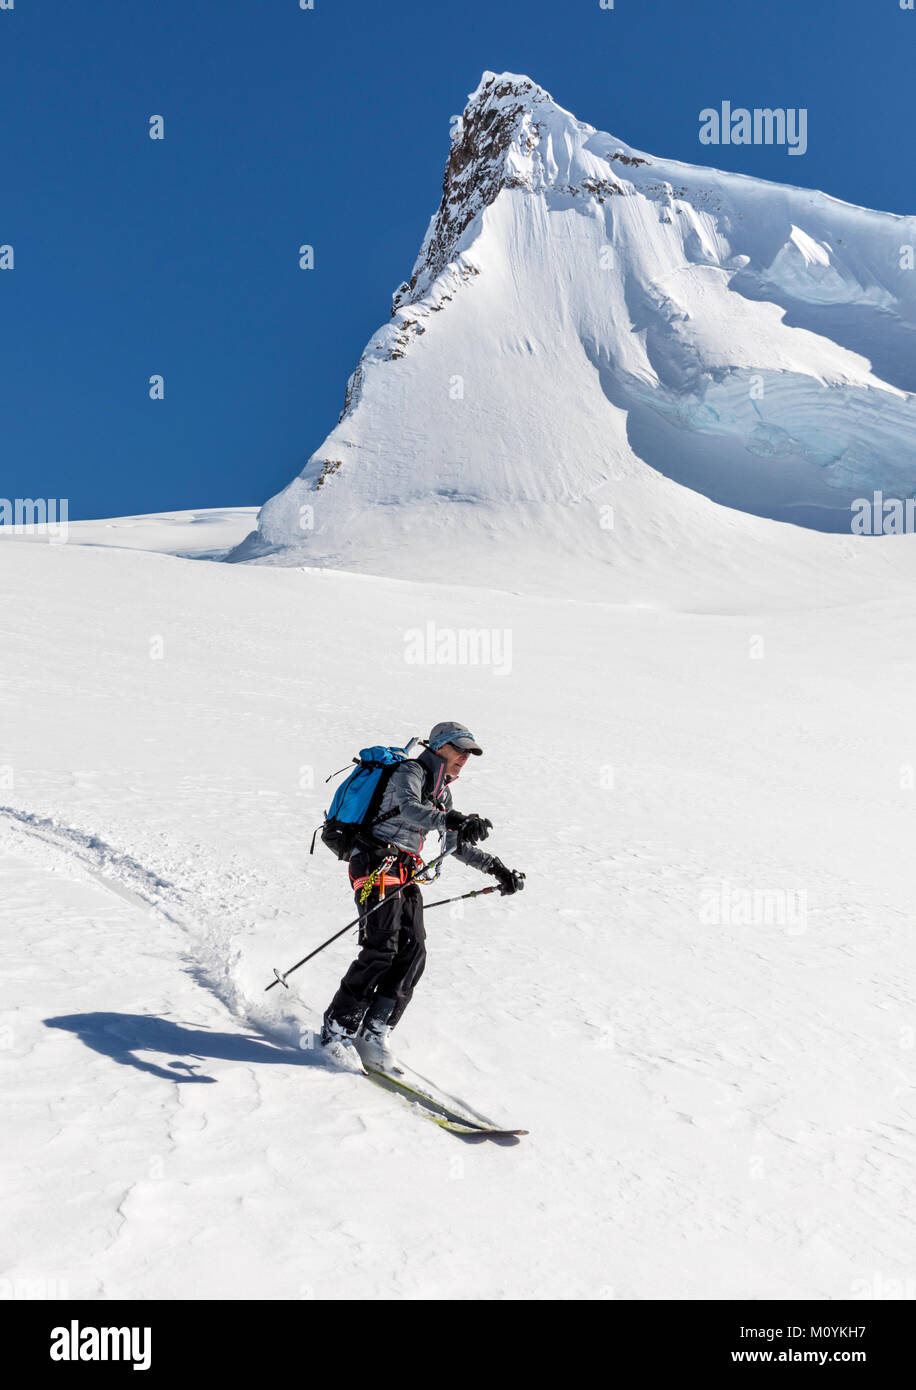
(122, 1036)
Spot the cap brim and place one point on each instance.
(466, 745)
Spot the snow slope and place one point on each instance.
(208, 534)
(717, 1108)
(582, 317)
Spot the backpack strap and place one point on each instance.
(371, 820)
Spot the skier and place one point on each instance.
(377, 988)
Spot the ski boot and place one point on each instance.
(373, 1038)
(337, 1043)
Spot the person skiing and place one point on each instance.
(378, 986)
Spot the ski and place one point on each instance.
(447, 1116)
(471, 1131)
(442, 1114)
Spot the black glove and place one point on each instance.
(471, 829)
(510, 880)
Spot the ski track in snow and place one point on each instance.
(68, 848)
(291, 1025)
(138, 1204)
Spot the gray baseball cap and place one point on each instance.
(455, 734)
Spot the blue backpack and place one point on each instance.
(354, 809)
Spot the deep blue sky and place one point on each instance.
(328, 127)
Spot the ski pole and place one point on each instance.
(281, 979)
(477, 893)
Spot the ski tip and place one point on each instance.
(481, 1132)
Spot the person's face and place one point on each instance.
(455, 758)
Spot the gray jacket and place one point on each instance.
(418, 815)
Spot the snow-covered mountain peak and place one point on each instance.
(595, 347)
(512, 134)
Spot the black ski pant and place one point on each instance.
(392, 953)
